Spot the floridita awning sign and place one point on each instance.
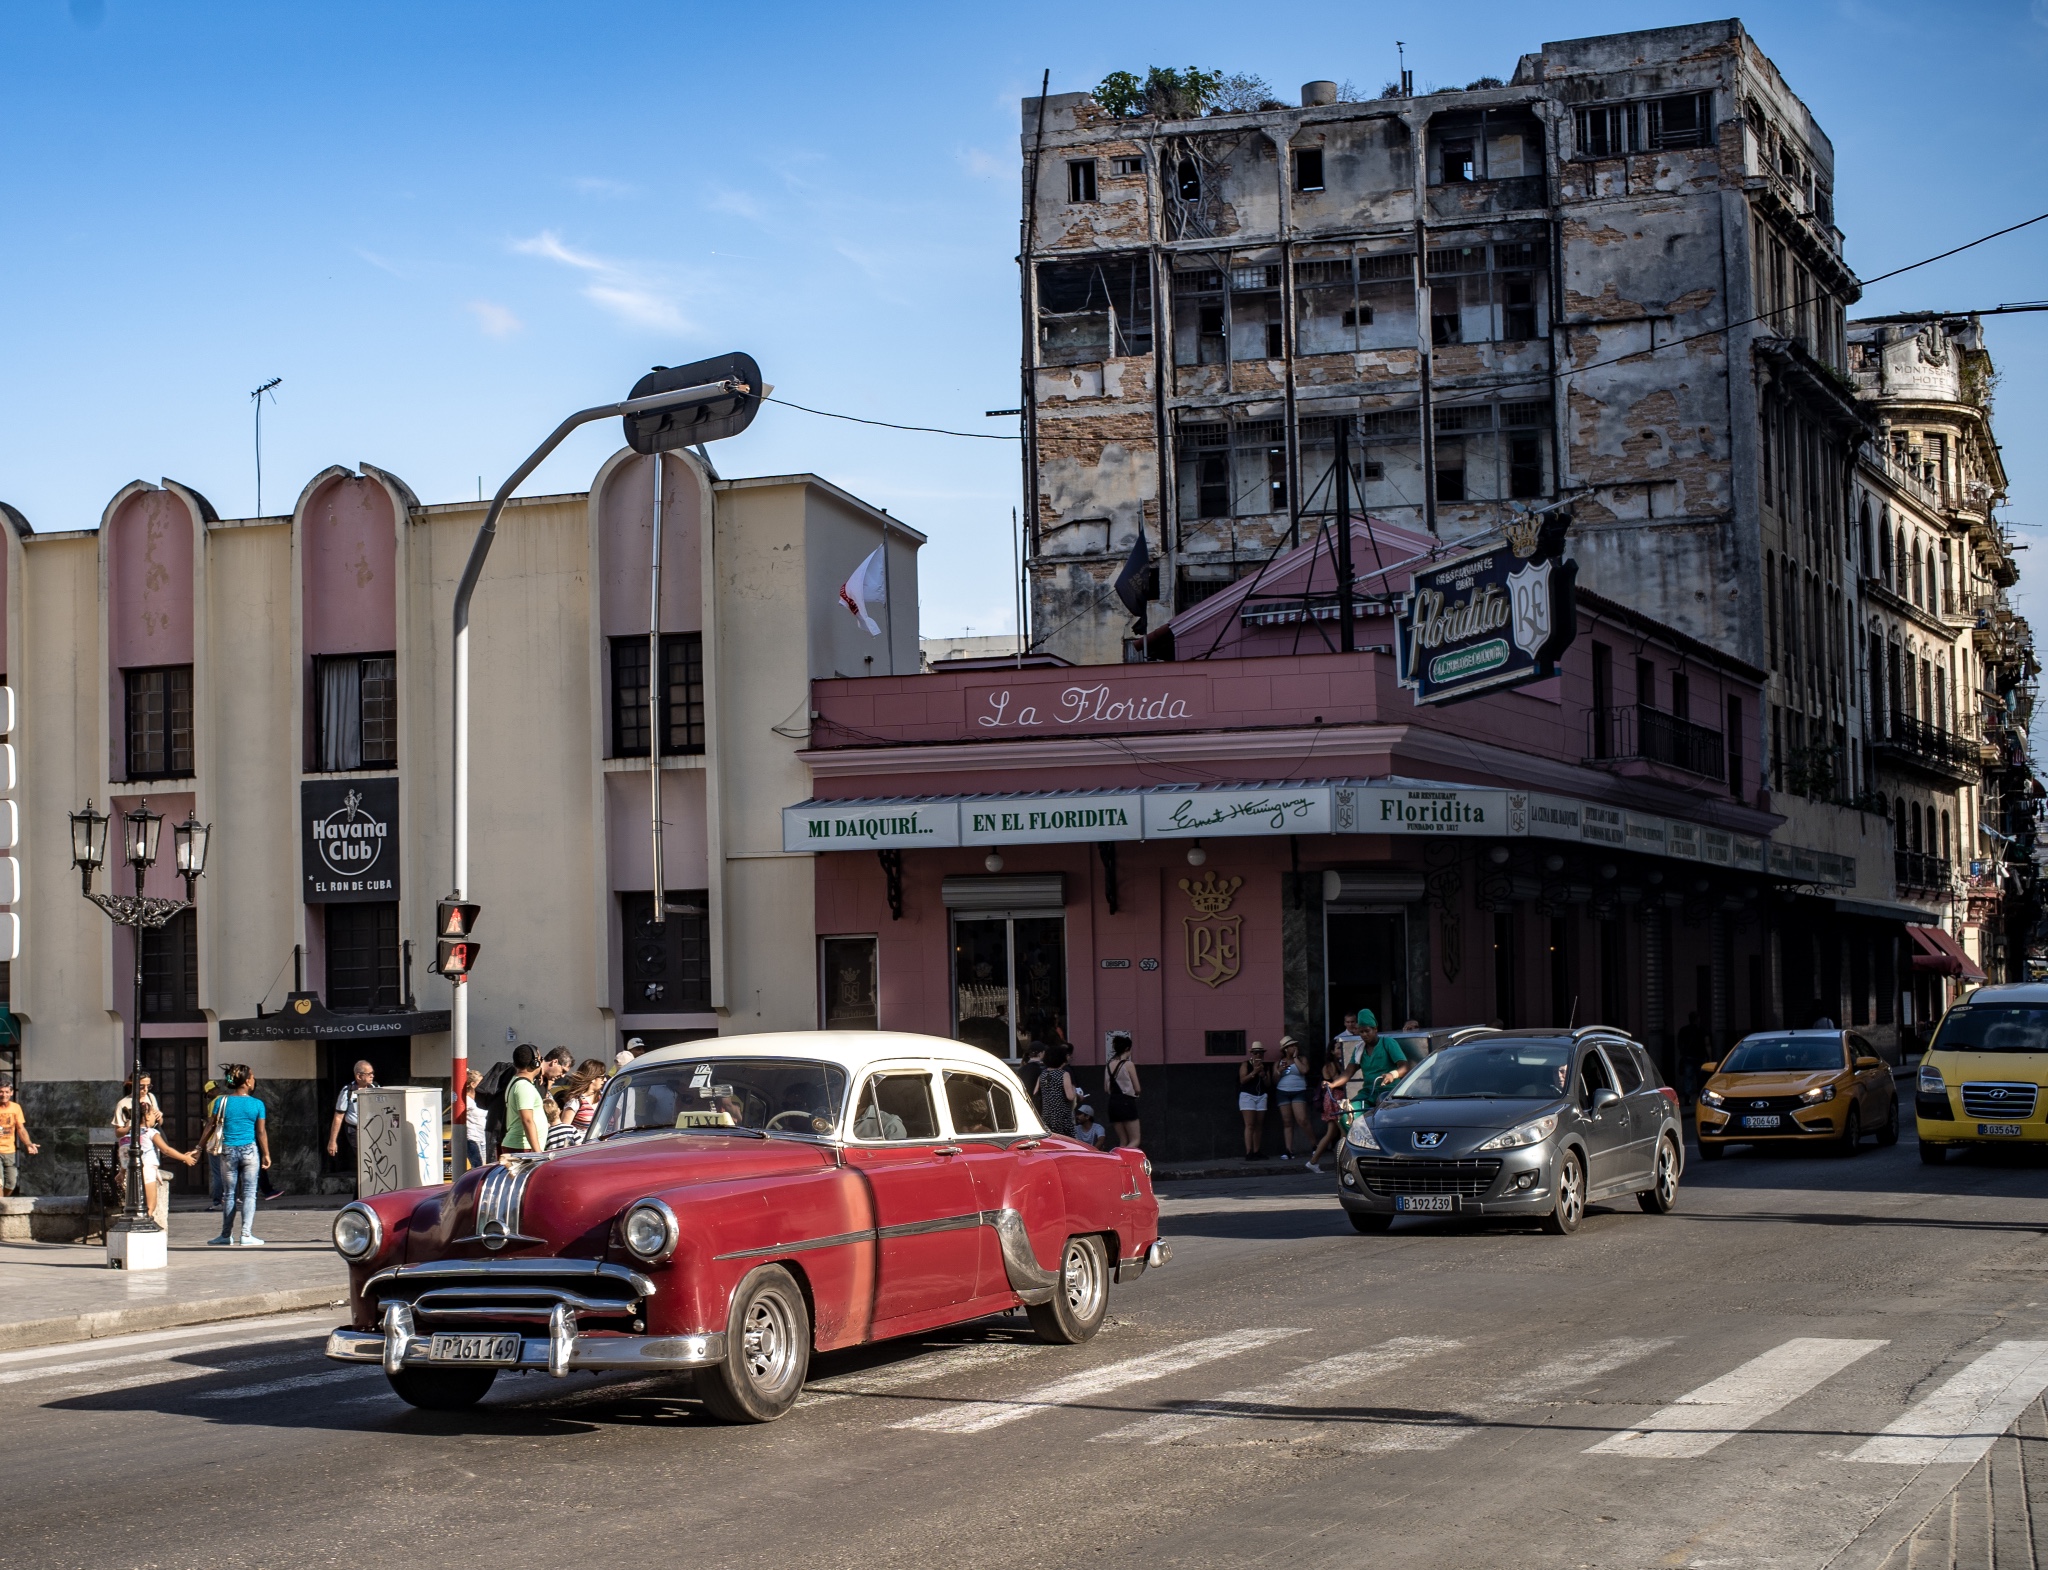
(1490, 618)
(1393, 807)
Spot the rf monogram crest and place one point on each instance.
(1215, 950)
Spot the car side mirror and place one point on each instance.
(1604, 1097)
(1709, 1068)
(1863, 1063)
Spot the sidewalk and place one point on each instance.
(58, 1292)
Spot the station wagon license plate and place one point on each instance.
(1426, 1202)
(1987, 1130)
(474, 1349)
(1770, 1121)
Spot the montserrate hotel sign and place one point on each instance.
(1490, 618)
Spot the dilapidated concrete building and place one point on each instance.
(1464, 287)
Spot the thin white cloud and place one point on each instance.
(378, 262)
(597, 185)
(737, 203)
(619, 288)
(495, 321)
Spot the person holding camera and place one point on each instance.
(1254, 1085)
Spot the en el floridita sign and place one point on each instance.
(1491, 618)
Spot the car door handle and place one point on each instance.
(948, 1150)
(1027, 1144)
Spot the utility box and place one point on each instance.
(398, 1139)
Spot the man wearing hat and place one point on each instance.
(1380, 1062)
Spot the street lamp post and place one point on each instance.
(134, 1240)
(733, 381)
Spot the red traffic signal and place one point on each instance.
(455, 950)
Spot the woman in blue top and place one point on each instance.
(244, 1155)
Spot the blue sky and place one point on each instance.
(446, 225)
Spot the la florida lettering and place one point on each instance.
(1083, 706)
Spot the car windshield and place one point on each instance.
(1521, 1070)
(768, 1095)
(1993, 1027)
(1784, 1055)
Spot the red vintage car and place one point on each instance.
(739, 1203)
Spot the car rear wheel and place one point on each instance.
(442, 1389)
(1852, 1133)
(767, 1351)
(1570, 1209)
(1889, 1134)
(1661, 1197)
(1366, 1221)
(1932, 1155)
(1080, 1299)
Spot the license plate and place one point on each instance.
(2004, 1129)
(1763, 1122)
(1425, 1201)
(473, 1349)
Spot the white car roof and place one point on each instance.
(853, 1050)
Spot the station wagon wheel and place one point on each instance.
(767, 1351)
(1080, 1298)
(1571, 1196)
(442, 1389)
(1661, 1197)
(1889, 1134)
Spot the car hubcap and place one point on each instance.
(768, 1342)
(1568, 1201)
(1667, 1175)
(1083, 1281)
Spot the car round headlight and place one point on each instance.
(649, 1231)
(357, 1232)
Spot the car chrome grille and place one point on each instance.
(2005, 1102)
(1386, 1175)
(456, 1292)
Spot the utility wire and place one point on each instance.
(931, 430)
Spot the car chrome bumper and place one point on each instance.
(559, 1352)
(1130, 1269)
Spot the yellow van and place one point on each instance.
(1984, 1080)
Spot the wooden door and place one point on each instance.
(176, 1066)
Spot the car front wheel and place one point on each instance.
(767, 1351)
(442, 1389)
(1570, 1209)
(1080, 1299)
(1661, 1197)
(1852, 1133)
(1889, 1134)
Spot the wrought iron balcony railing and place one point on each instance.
(1638, 732)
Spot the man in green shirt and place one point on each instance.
(526, 1126)
(1380, 1062)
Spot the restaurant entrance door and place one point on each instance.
(1366, 965)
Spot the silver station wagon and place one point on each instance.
(1530, 1124)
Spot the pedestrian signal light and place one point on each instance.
(455, 950)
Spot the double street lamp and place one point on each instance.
(134, 1240)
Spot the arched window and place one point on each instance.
(1899, 823)
(1917, 843)
(1916, 592)
(1898, 574)
(1863, 538)
(1883, 571)
(1944, 834)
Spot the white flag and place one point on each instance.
(867, 587)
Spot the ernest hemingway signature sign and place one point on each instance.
(1285, 809)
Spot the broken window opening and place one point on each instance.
(1460, 163)
(1450, 471)
(1095, 310)
(1080, 179)
(1683, 121)
(1188, 178)
(1308, 169)
(1345, 304)
(1127, 165)
(1385, 460)
(1607, 131)
(1236, 470)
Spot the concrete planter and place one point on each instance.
(43, 1218)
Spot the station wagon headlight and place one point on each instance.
(1360, 1134)
(1713, 1098)
(1818, 1093)
(1528, 1134)
(649, 1231)
(1931, 1082)
(357, 1232)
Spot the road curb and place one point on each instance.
(26, 1333)
(1277, 1170)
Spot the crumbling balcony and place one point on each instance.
(1914, 744)
(1917, 870)
(1654, 741)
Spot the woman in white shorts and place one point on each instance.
(1254, 1081)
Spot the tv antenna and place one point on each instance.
(1407, 77)
(257, 398)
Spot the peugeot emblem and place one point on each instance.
(1429, 1141)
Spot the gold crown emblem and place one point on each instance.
(1211, 895)
(1524, 534)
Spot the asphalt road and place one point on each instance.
(1797, 1368)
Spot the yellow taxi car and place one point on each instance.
(1982, 1078)
(1798, 1087)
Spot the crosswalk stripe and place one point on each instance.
(1703, 1419)
(1297, 1387)
(915, 1371)
(1543, 1383)
(167, 1377)
(1959, 1420)
(976, 1417)
(271, 1387)
(244, 1331)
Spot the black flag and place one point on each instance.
(1134, 585)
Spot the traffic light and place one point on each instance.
(455, 950)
